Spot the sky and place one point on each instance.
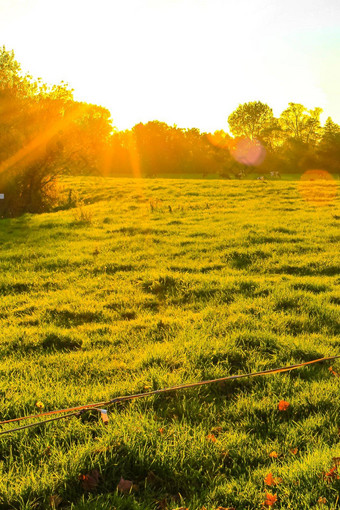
(184, 62)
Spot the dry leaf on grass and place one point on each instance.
(271, 480)
(211, 437)
(126, 486)
(293, 451)
(90, 480)
(273, 455)
(332, 371)
(322, 501)
(331, 475)
(283, 405)
(270, 499)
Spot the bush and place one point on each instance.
(32, 188)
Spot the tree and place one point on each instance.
(330, 132)
(153, 146)
(43, 133)
(329, 147)
(33, 117)
(301, 124)
(293, 120)
(86, 140)
(251, 120)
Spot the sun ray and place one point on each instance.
(41, 140)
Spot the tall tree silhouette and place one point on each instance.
(251, 120)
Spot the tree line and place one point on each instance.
(44, 133)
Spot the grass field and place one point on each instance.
(153, 283)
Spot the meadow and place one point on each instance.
(142, 284)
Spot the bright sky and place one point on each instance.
(188, 62)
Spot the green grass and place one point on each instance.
(126, 293)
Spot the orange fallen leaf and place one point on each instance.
(270, 480)
(273, 455)
(283, 405)
(270, 499)
(332, 371)
(293, 451)
(322, 501)
(90, 480)
(211, 437)
(161, 431)
(126, 486)
(332, 474)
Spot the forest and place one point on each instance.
(46, 133)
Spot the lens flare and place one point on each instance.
(219, 139)
(317, 187)
(248, 152)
